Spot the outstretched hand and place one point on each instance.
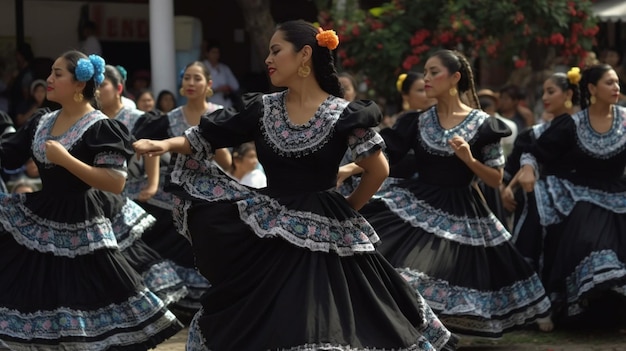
(150, 147)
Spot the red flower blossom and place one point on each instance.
(410, 61)
(520, 63)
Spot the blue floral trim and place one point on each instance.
(130, 223)
(191, 277)
(177, 122)
(111, 160)
(363, 142)
(557, 197)
(61, 239)
(136, 311)
(457, 306)
(269, 218)
(197, 342)
(128, 116)
(538, 129)
(493, 155)
(529, 159)
(596, 269)
(160, 199)
(202, 151)
(484, 231)
(68, 139)
(162, 279)
(601, 145)
(434, 138)
(288, 139)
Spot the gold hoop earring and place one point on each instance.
(304, 71)
(209, 92)
(452, 91)
(568, 104)
(78, 96)
(181, 91)
(592, 99)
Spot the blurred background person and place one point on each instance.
(166, 101)
(145, 101)
(225, 84)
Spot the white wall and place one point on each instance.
(49, 26)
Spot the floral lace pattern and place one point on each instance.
(291, 140)
(557, 197)
(485, 231)
(130, 223)
(363, 142)
(596, 269)
(137, 311)
(434, 138)
(305, 229)
(497, 311)
(67, 139)
(601, 145)
(61, 239)
(493, 155)
(111, 160)
(162, 279)
(197, 342)
(128, 116)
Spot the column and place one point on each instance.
(162, 50)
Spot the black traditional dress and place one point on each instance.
(582, 191)
(527, 232)
(292, 266)
(440, 235)
(163, 236)
(159, 274)
(64, 284)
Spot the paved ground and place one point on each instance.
(517, 341)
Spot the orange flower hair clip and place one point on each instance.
(327, 38)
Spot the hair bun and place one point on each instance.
(327, 38)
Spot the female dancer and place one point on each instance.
(64, 284)
(293, 266)
(437, 230)
(560, 95)
(159, 275)
(163, 237)
(581, 196)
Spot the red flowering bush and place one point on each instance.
(398, 36)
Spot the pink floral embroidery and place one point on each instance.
(192, 164)
(218, 191)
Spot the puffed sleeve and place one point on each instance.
(110, 142)
(491, 153)
(226, 127)
(15, 148)
(151, 125)
(400, 137)
(552, 144)
(356, 123)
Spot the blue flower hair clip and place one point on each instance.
(98, 65)
(84, 70)
(122, 71)
(182, 73)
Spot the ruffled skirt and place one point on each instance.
(458, 256)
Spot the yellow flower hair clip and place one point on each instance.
(574, 76)
(327, 38)
(400, 81)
